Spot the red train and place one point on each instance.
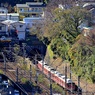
(58, 77)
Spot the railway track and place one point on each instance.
(10, 71)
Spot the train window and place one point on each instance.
(48, 67)
(60, 75)
(63, 77)
(70, 84)
(56, 72)
(53, 69)
(45, 63)
(69, 81)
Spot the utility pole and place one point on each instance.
(4, 62)
(65, 78)
(36, 69)
(78, 84)
(50, 83)
(70, 72)
(65, 3)
(6, 13)
(30, 72)
(17, 75)
(42, 65)
(37, 73)
(71, 79)
(23, 45)
(86, 86)
(35, 59)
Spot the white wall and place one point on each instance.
(21, 27)
(21, 35)
(3, 27)
(4, 16)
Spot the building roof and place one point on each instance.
(2, 24)
(8, 22)
(2, 8)
(41, 5)
(33, 18)
(34, 3)
(86, 4)
(22, 5)
(8, 14)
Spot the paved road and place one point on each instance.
(6, 90)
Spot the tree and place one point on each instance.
(65, 20)
(82, 58)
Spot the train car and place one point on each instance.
(56, 76)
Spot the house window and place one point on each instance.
(33, 9)
(20, 26)
(40, 9)
(30, 9)
(21, 9)
(36, 9)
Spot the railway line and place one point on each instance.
(10, 71)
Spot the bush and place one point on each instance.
(1, 72)
(57, 88)
(21, 17)
(24, 80)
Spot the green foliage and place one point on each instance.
(21, 17)
(16, 48)
(41, 78)
(60, 48)
(1, 72)
(70, 19)
(64, 24)
(82, 61)
(50, 51)
(57, 88)
(63, 34)
(24, 80)
(46, 1)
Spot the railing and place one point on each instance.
(29, 11)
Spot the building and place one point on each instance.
(4, 36)
(15, 29)
(31, 9)
(86, 31)
(9, 16)
(20, 29)
(3, 29)
(3, 10)
(31, 21)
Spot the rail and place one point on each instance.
(19, 86)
